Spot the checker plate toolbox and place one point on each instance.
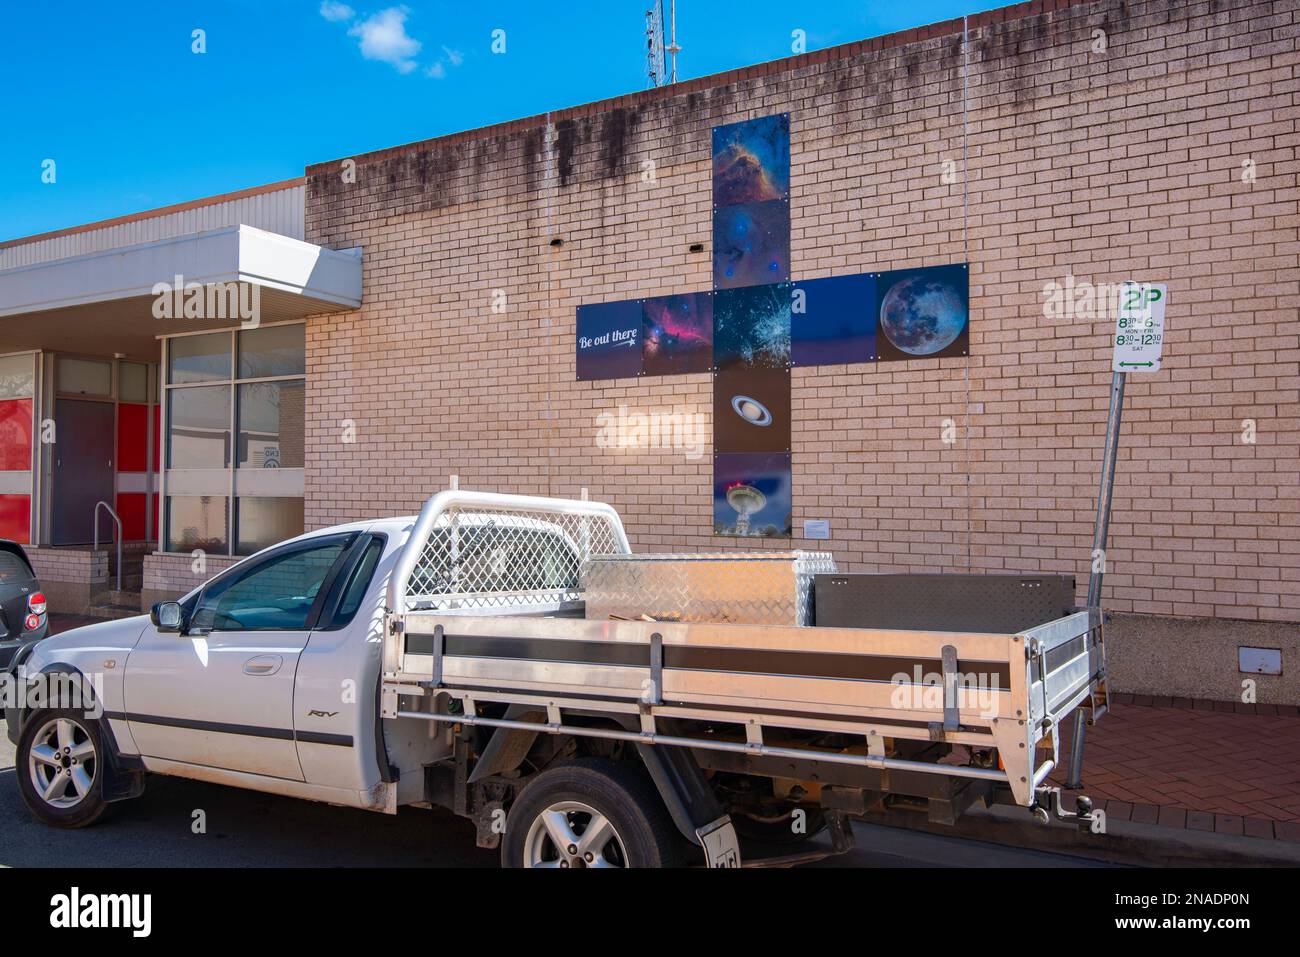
(532, 613)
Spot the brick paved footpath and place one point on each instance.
(1201, 765)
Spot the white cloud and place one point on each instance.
(384, 38)
(454, 57)
(437, 71)
(336, 12)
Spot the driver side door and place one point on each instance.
(221, 694)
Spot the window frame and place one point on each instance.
(230, 490)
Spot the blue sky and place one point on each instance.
(134, 119)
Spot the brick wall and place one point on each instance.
(1101, 165)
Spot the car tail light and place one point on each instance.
(32, 622)
(36, 603)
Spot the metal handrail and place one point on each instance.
(113, 515)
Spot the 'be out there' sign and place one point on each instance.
(1140, 328)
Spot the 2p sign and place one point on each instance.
(1140, 328)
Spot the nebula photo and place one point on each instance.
(751, 161)
(838, 322)
(752, 495)
(678, 334)
(751, 244)
(751, 327)
(924, 313)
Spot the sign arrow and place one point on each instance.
(1137, 363)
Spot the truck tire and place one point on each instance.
(60, 764)
(590, 813)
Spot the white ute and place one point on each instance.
(450, 660)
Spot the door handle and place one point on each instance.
(263, 665)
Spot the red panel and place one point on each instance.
(154, 536)
(130, 508)
(157, 438)
(15, 435)
(16, 517)
(132, 437)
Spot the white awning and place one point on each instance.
(104, 302)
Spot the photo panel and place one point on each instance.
(609, 340)
(752, 494)
(751, 244)
(751, 410)
(677, 334)
(751, 161)
(751, 327)
(833, 320)
(923, 313)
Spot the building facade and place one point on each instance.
(1058, 149)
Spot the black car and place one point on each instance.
(22, 603)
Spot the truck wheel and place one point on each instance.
(60, 768)
(590, 813)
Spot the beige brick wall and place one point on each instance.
(1105, 166)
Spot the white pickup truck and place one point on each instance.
(450, 659)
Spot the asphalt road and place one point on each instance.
(247, 829)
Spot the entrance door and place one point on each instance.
(83, 470)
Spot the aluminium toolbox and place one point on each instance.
(749, 588)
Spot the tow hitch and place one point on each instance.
(1047, 804)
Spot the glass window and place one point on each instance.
(198, 427)
(198, 358)
(85, 376)
(197, 521)
(133, 382)
(274, 595)
(17, 376)
(13, 568)
(360, 581)
(263, 522)
(272, 419)
(272, 350)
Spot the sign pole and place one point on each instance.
(1138, 343)
(1105, 492)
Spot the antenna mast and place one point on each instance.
(654, 41)
(673, 48)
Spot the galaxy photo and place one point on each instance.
(751, 161)
(924, 313)
(752, 495)
(678, 334)
(751, 327)
(837, 324)
(751, 410)
(609, 340)
(751, 244)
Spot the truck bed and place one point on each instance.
(966, 705)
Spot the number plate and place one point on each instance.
(721, 848)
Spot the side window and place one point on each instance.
(358, 584)
(276, 594)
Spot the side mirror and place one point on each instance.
(167, 616)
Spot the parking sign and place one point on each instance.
(1140, 328)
